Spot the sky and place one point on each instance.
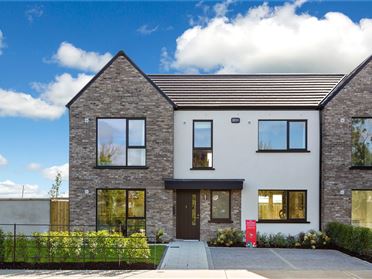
(50, 50)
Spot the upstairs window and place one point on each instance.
(121, 142)
(202, 153)
(361, 136)
(282, 135)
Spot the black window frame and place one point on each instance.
(126, 206)
(352, 166)
(287, 220)
(288, 148)
(201, 148)
(127, 146)
(219, 220)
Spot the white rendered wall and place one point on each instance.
(235, 157)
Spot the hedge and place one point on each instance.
(354, 239)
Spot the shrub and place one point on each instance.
(228, 237)
(2, 246)
(314, 239)
(136, 247)
(8, 246)
(348, 237)
(22, 247)
(311, 239)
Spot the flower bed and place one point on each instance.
(235, 238)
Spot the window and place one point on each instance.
(220, 205)
(202, 153)
(282, 135)
(120, 210)
(361, 204)
(121, 142)
(282, 205)
(361, 136)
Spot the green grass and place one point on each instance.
(159, 249)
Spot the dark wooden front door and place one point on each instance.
(188, 213)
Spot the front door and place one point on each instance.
(187, 213)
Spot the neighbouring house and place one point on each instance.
(191, 154)
(346, 138)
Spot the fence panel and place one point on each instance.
(59, 214)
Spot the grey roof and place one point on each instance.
(272, 90)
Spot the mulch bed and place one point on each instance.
(78, 266)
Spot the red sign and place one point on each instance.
(250, 233)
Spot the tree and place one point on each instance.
(54, 191)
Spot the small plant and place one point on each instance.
(159, 233)
(228, 237)
(54, 191)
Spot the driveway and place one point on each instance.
(284, 259)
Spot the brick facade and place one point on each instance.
(208, 230)
(121, 91)
(338, 180)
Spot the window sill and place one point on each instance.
(122, 167)
(361, 168)
(283, 222)
(283, 151)
(221, 221)
(207, 168)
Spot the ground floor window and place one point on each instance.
(361, 203)
(121, 210)
(220, 205)
(282, 205)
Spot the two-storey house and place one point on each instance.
(190, 154)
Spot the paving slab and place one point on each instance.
(185, 274)
(185, 255)
(284, 259)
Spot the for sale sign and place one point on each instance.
(250, 233)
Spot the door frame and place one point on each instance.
(197, 192)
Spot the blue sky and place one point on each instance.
(161, 37)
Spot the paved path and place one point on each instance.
(185, 274)
(185, 255)
(285, 259)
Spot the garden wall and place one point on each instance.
(25, 211)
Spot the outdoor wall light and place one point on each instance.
(86, 191)
(86, 120)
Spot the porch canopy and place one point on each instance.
(210, 184)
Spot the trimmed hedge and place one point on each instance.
(354, 239)
(2, 246)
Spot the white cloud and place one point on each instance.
(70, 56)
(24, 105)
(51, 102)
(34, 12)
(273, 39)
(33, 166)
(10, 189)
(51, 172)
(3, 160)
(147, 30)
(1, 42)
(64, 87)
